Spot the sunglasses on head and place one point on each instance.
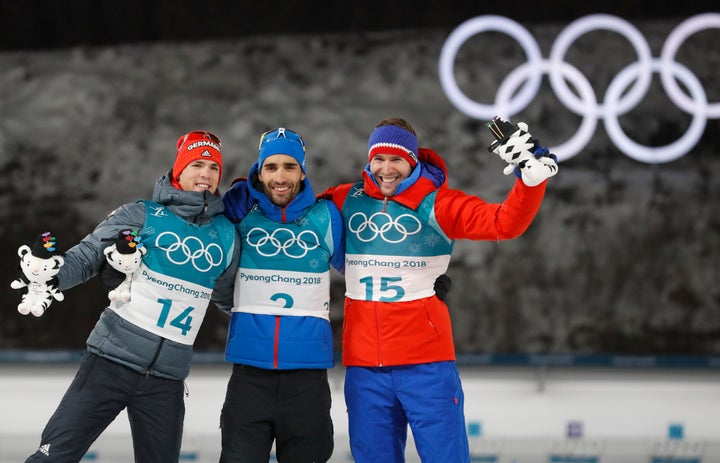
(281, 133)
(199, 135)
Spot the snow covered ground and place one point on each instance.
(515, 414)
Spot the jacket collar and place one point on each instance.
(428, 175)
(192, 206)
(295, 209)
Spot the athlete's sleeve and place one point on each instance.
(336, 194)
(463, 216)
(222, 294)
(83, 261)
(337, 260)
(238, 201)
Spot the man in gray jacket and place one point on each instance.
(139, 352)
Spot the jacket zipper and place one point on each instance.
(205, 207)
(276, 346)
(430, 320)
(377, 308)
(157, 354)
(379, 333)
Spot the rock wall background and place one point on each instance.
(623, 256)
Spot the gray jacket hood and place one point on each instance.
(193, 206)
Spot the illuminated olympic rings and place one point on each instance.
(510, 101)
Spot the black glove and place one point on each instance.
(530, 162)
(442, 286)
(110, 277)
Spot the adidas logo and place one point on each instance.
(45, 449)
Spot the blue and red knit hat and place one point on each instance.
(393, 140)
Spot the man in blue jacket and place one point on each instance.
(280, 340)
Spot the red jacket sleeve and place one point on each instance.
(464, 216)
(336, 194)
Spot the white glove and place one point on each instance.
(531, 162)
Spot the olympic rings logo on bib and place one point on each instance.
(382, 225)
(190, 249)
(282, 239)
(615, 103)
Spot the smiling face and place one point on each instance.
(200, 175)
(389, 170)
(282, 178)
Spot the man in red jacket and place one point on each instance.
(401, 223)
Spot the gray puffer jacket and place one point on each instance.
(113, 337)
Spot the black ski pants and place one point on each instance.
(100, 391)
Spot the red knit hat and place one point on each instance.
(196, 145)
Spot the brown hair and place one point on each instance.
(397, 122)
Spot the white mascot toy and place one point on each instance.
(125, 256)
(40, 266)
(531, 162)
